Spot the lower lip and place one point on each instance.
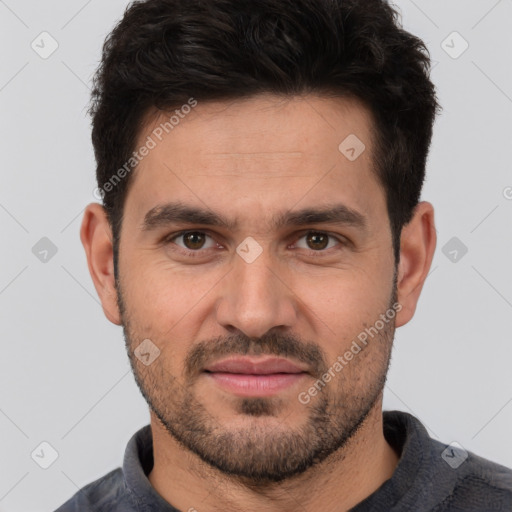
(255, 385)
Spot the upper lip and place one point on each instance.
(254, 366)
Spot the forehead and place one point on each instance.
(263, 154)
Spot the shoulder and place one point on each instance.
(105, 493)
(439, 477)
(123, 489)
(477, 483)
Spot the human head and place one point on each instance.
(246, 143)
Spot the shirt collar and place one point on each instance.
(137, 464)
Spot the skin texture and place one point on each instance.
(250, 160)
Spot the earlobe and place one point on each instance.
(96, 237)
(417, 246)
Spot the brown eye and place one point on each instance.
(317, 241)
(194, 240)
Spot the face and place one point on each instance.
(255, 256)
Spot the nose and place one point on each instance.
(255, 298)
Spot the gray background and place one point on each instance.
(64, 375)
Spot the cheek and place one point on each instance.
(345, 304)
(157, 288)
(168, 305)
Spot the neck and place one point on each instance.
(337, 484)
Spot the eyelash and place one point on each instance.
(195, 254)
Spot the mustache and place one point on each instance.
(273, 343)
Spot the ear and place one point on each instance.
(417, 246)
(96, 237)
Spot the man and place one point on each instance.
(261, 237)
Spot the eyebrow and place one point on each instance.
(179, 213)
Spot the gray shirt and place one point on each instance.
(430, 476)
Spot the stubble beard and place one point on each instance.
(266, 449)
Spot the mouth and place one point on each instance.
(256, 377)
